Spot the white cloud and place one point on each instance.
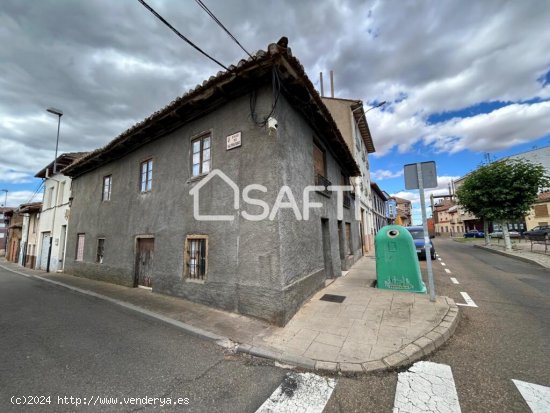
(511, 125)
(9, 175)
(422, 57)
(502, 128)
(381, 174)
(16, 198)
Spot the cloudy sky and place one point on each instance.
(461, 78)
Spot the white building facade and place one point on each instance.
(54, 217)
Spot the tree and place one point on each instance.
(502, 191)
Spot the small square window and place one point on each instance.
(196, 257)
(200, 158)
(146, 175)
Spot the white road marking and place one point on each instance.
(536, 396)
(454, 280)
(426, 387)
(439, 258)
(448, 271)
(443, 264)
(300, 392)
(468, 299)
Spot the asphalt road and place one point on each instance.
(506, 337)
(55, 342)
(59, 343)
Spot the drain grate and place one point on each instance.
(333, 298)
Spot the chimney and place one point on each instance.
(331, 84)
(322, 89)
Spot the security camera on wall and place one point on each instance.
(272, 125)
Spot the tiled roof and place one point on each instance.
(219, 89)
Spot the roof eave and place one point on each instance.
(250, 73)
(361, 119)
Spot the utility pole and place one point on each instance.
(59, 113)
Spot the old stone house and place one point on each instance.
(29, 234)
(5, 214)
(22, 234)
(230, 147)
(13, 237)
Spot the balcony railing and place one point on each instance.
(320, 180)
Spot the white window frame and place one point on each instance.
(106, 188)
(146, 175)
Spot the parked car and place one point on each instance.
(499, 234)
(474, 233)
(418, 237)
(540, 230)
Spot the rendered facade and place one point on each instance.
(133, 212)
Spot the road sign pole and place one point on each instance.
(427, 243)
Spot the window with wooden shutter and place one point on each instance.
(348, 238)
(319, 161)
(541, 210)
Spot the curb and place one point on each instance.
(412, 352)
(421, 347)
(195, 331)
(524, 259)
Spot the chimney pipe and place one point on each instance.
(322, 89)
(331, 84)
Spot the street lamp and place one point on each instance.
(59, 113)
(6, 197)
(369, 109)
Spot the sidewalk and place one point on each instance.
(370, 330)
(521, 250)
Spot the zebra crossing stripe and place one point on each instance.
(426, 387)
(467, 299)
(536, 396)
(300, 392)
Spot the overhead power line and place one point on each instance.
(181, 36)
(35, 192)
(207, 10)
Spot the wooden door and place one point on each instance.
(348, 238)
(144, 262)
